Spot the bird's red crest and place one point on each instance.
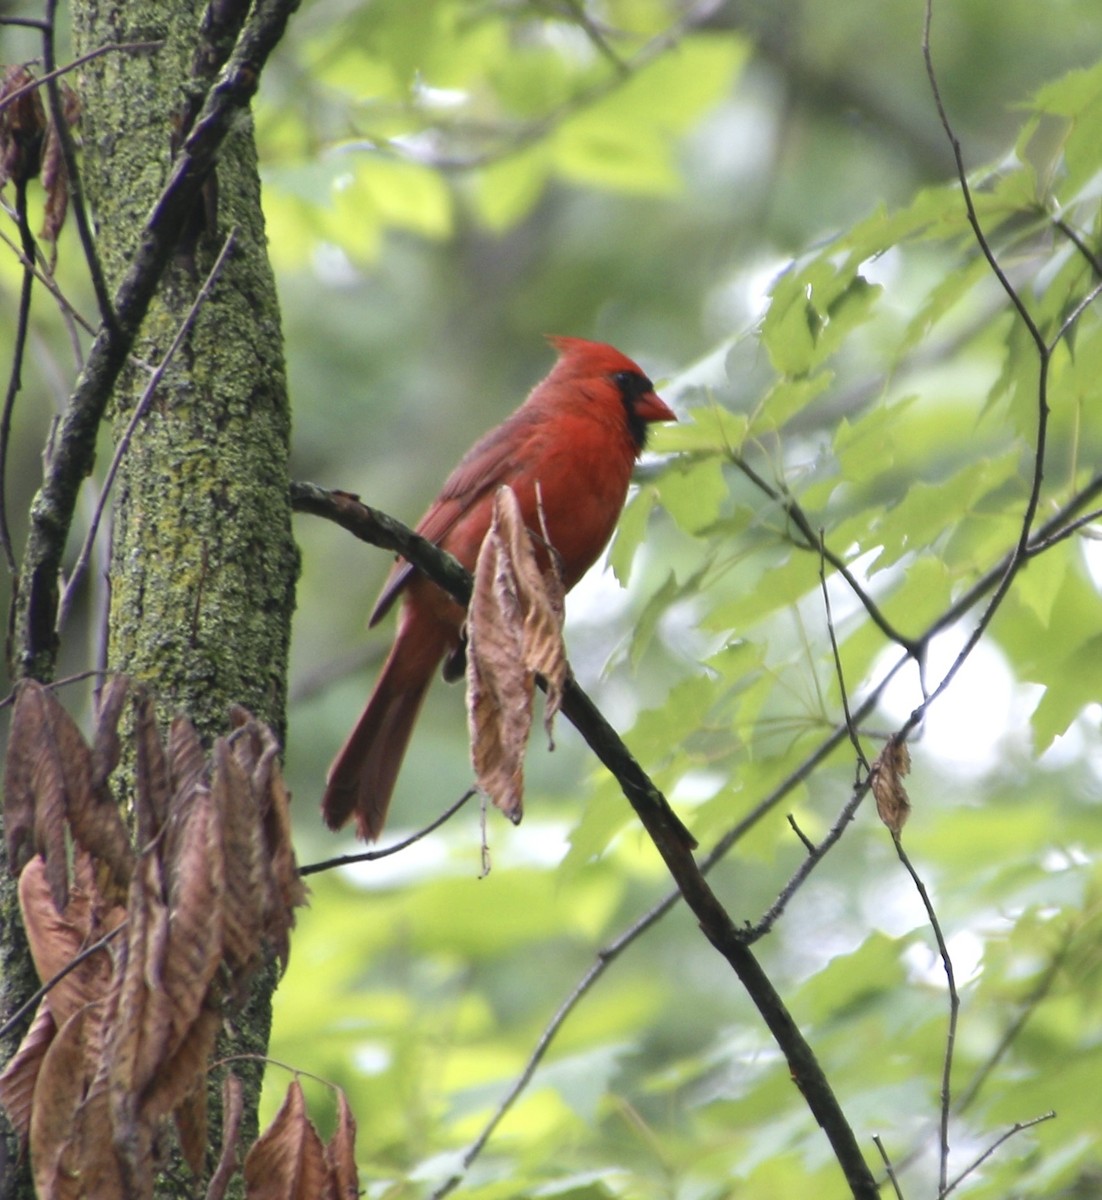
(581, 357)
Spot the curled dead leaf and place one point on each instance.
(22, 126)
(20, 1076)
(886, 779)
(287, 1161)
(340, 1153)
(514, 626)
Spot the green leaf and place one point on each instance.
(693, 492)
(1073, 686)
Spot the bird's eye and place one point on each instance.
(632, 384)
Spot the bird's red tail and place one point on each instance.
(363, 774)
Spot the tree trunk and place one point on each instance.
(203, 564)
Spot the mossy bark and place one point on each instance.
(203, 564)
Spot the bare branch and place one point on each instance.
(954, 1008)
(887, 1165)
(346, 860)
(1016, 1128)
(669, 836)
(69, 153)
(851, 729)
(15, 378)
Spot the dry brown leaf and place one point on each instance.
(287, 1161)
(106, 748)
(514, 626)
(18, 1081)
(232, 1108)
(62, 1082)
(196, 908)
(23, 740)
(49, 783)
(286, 889)
(246, 882)
(340, 1153)
(886, 778)
(34, 785)
(151, 783)
(179, 1073)
(57, 938)
(256, 750)
(138, 1038)
(55, 177)
(94, 1154)
(22, 127)
(186, 760)
(190, 1118)
(137, 1041)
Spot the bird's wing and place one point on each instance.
(491, 461)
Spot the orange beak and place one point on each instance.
(651, 407)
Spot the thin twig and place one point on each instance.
(75, 65)
(596, 35)
(1077, 241)
(140, 409)
(1016, 1128)
(605, 957)
(791, 508)
(954, 1009)
(47, 280)
(966, 190)
(347, 860)
(809, 845)
(15, 378)
(64, 137)
(878, 1143)
(850, 727)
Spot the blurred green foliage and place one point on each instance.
(759, 203)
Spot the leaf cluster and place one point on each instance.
(141, 945)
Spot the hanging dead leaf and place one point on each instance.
(56, 939)
(22, 126)
(62, 1082)
(340, 1153)
(17, 1083)
(886, 779)
(247, 882)
(35, 785)
(232, 1108)
(55, 176)
(139, 1033)
(287, 1161)
(186, 761)
(256, 751)
(152, 787)
(190, 1117)
(196, 878)
(95, 1160)
(514, 626)
(182, 1070)
(106, 747)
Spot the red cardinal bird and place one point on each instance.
(567, 453)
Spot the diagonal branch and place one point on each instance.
(664, 828)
